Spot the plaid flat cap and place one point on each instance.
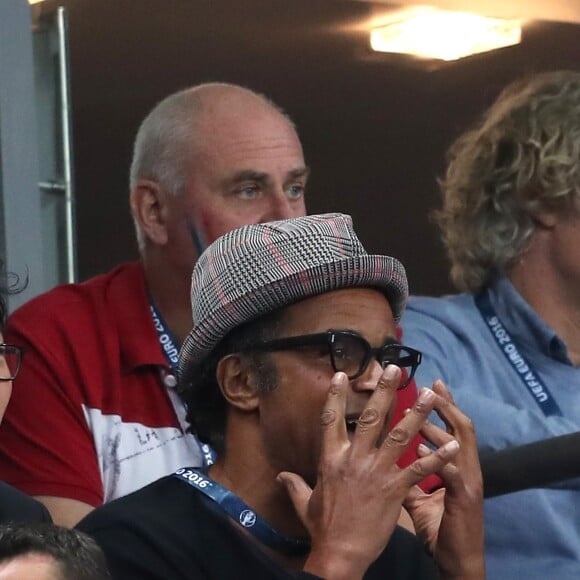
(259, 268)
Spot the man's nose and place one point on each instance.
(369, 379)
(281, 207)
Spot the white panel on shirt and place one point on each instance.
(131, 455)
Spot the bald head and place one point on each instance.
(184, 125)
(172, 131)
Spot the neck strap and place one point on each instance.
(525, 371)
(236, 508)
(170, 349)
(169, 346)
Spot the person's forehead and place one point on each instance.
(32, 565)
(365, 310)
(260, 130)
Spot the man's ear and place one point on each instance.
(148, 207)
(546, 218)
(238, 383)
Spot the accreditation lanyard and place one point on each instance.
(236, 508)
(168, 344)
(171, 352)
(525, 371)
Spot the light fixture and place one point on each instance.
(433, 33)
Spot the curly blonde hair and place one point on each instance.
(523, 157)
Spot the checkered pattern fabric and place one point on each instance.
(259, 268)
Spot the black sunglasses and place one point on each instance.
(13, 357)
(349, 352)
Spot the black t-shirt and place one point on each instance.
(170, 531)
(16, 506)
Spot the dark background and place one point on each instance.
(374, 127)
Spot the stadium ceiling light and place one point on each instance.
(440, 34)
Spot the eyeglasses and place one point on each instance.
(349, 352)
(13, 357)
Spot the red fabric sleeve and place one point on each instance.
(405, 399)
(46, 447)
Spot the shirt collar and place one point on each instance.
(523, 323)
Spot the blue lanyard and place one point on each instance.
(525, 371)
(171, 352)
(168, 344)
(242, 513)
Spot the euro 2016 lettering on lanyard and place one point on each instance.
(168, 345)
(170, 350)
(525, 371)
(236, 508)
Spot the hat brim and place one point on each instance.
(384, 273)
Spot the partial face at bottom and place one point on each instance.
(28, 566)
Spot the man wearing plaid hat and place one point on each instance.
(291, 372)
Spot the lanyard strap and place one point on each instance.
(242, 513)
(525, 371)
(168, 344)
(171, 351)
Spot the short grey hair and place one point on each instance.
(522, 158)
(163, 141)
(166, 138)
(162, 145)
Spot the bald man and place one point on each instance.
(96, 415)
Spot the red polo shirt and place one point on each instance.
(90, 418)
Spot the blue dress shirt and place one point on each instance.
(534, 533)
